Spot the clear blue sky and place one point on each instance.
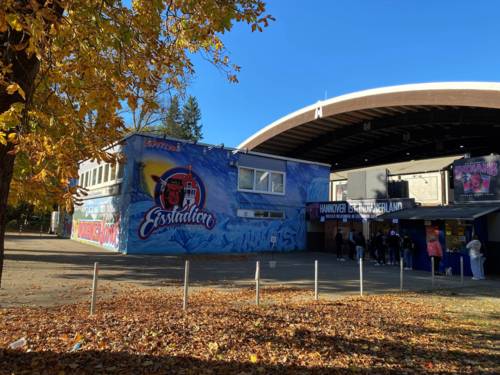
(341, 46)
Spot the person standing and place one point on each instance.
(408, 248)
(379, 248)
(360, 243)
(476, 262)
(393, 243)
(339, 242)
(351, 243)
(435, 251)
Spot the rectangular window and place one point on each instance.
(112, 175)
(245, 179)
(277, 183)
(85, 179)
(106, 172)
(99, 178)
(119, 173)
(94, 176)
(260, 214)
(261, 181)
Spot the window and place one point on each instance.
(260, 214)
(94, 176)
(99, 178)
(112, 175)
(277, 183)
(261, 181)
(85, 179)
(106, 172)
(245, 179)
(119, 173)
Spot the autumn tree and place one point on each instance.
(69, 67)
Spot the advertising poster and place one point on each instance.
(476, 179)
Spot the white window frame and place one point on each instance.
(250, 214)
(269, 182)
(103, 183)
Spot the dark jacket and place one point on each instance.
(379, 241)
(393, 241)
(407, 243)
(359, 240)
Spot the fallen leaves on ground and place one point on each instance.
(147, 332)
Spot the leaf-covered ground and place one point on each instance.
(146, 332)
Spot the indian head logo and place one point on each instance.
(179, 200)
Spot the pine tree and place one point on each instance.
(172, 125)
(191, 116)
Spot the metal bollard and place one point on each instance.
(257, 283)
(186, 285)
(315, 280)
(432, 270)
(94, 289)
(360, 276)
(461, 270)
(401, 274)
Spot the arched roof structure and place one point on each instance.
(389, 124)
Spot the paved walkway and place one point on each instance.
(47, 270)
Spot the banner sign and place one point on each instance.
(476, 179)
(362, 209)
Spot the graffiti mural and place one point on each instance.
(184, 198)
(98, 222)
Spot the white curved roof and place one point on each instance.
(473, 94)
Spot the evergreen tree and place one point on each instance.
(172, 125)
(191, 116)
(182, 124)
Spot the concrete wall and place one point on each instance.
(427, 189)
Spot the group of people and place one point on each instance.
(379, 245)
(395, 245)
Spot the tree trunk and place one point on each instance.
(24, 71)
(6, 169)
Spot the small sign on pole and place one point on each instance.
(94, 289)
(315, 280)
(186, 285)
(401, 274)
(432, 270)
(461, 270)
(257, 283)
(360, 276)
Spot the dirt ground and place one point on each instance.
(140, 327)
(145, 331)
(44, 271)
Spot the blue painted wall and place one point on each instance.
(148, 225)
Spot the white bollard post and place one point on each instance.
(315, 280)
(401, 274)
(257, 283)
(186, 285)
(360, 276)
(94, 289)
(432, 270)
(461, 270)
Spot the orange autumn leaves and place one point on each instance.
(146, 331)
(95, 59)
